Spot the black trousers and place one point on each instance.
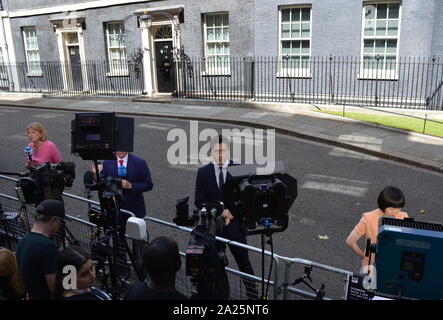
(234, 232)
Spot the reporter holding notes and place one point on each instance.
(43, 150)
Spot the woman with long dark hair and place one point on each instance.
(76, 259)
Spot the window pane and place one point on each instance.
(285, 13)
(218, 20)
(305, 62)
(369, 46)
(368, 62)
(381, 28)
(394, 10)
(226, 34)
(295, 47)
(382, 10)
(391, 46)
(209, 20)
(295, 62)
(392, 27)
(218, 34)
(295, 15)
(114, 40)
(285, 31)
(211, 48)
(210, 34)
(218, 48)
(306, 14)
(370, 11)
(305, 47)
(390, 62)
(286, 47)
(227, 48)
(305, 32)
(226, 20)
(380, 46)
(369, 28)
(295, 30)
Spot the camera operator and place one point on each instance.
(208, 189)
(37, 254)
(43, 150)
(390, 202)
(136, 179)
(161, 260)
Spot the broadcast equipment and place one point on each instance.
(96, 136)
(319, 293)
(261, 198)
(409, 259)
(28, 153)
(205, 262)
(46, 181)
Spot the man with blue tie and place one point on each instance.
(136, 179)
(208, 188)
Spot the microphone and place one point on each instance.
(122, 171)
(28, 153)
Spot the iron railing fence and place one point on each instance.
(415, 83)
(64, 79)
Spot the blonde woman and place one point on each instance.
(43, 150)
(10, 284)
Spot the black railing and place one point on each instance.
(377, 82)
(71, 80)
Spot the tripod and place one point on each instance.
(111, 248)
(267, 231)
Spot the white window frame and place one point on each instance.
(293, 72)
(209, 68)
(116, 70)
(31, 72)
(381, 74)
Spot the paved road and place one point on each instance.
(335, 185)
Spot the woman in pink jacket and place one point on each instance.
(43, 150)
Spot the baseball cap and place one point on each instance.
(51, 208)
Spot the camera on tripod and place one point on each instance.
(260, 198)
(204, 261)
(46, 181)
(112, 193)
(97, 136)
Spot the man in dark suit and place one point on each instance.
(136, 179)
(208, 189)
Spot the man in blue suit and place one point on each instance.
(210, 178)
(136, 179)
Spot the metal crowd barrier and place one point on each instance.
(13, 228)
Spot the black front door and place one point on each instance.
(76, 68)
(165, 66)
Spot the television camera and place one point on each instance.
(97, 136)
(46, 181)
(205, 260)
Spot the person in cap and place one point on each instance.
(37, 254)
